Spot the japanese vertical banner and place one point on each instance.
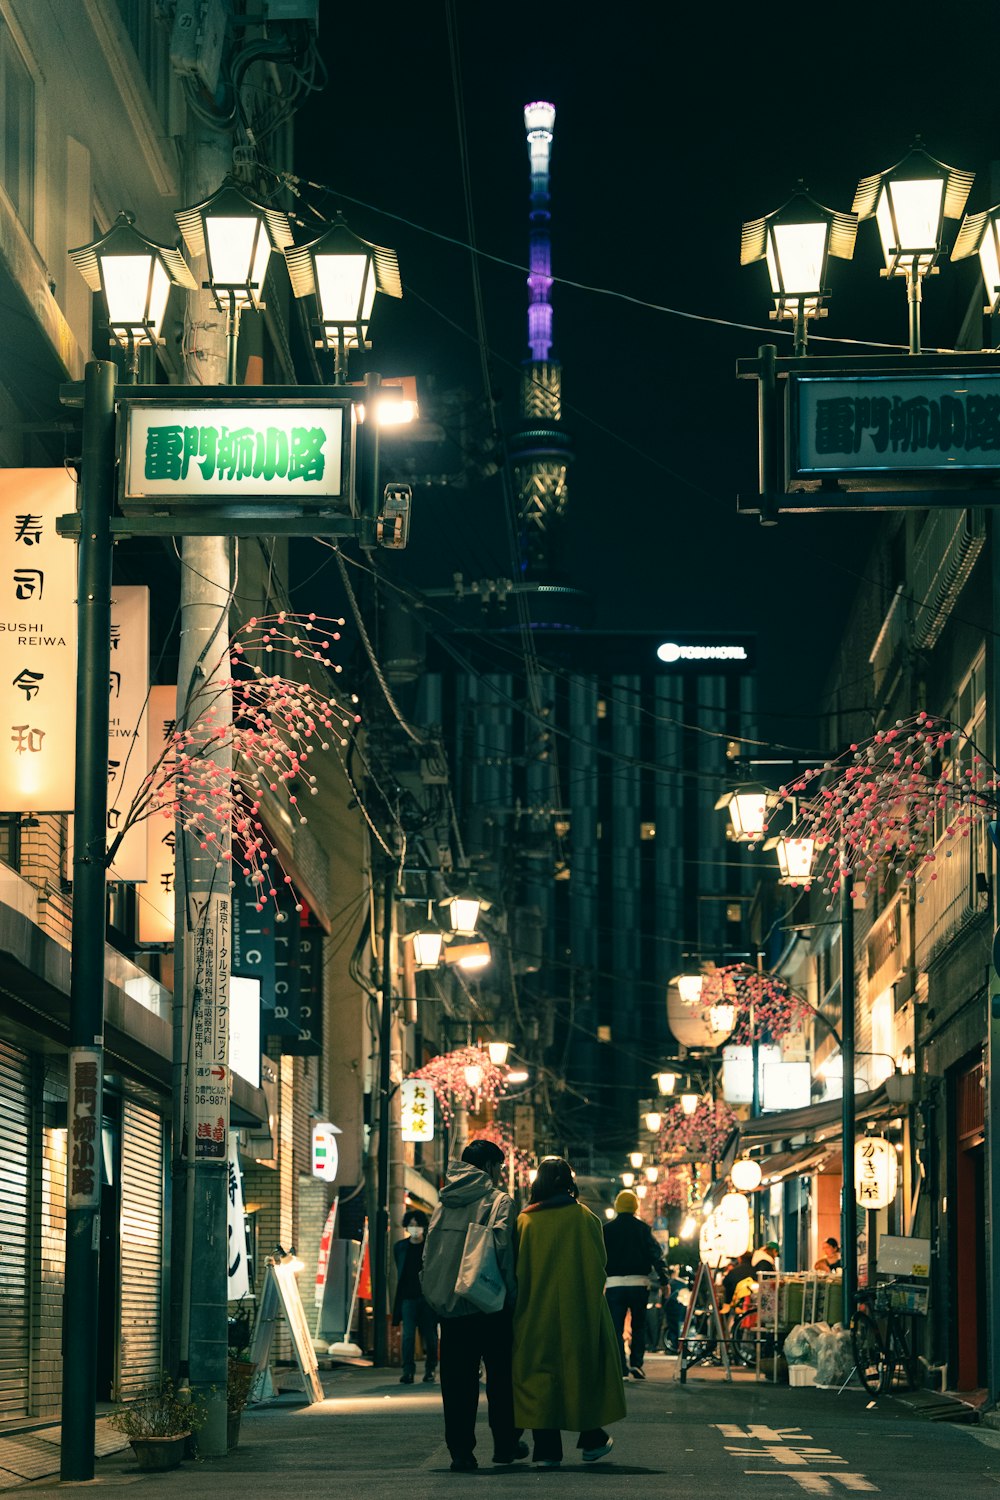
(83, 1121)
(128, 726)
(156, 900)
(208, 953)
(37, 642)
(238, 1275)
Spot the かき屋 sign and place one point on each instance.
(875, 1170)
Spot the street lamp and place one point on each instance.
(747, 808)
(135, 276)
(498, 1052)
(689, 987)
(635, 1159)
(795, 859)
(666, 1082)
(910, 203)
(690, 1102)
(981, 232)
(627, 1179)
(797, 241)
(427, 945)
(343, 272)
(463, 913)
(236, 235)
(652, 1174)
(653, 1120)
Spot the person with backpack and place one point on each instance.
(472, 1196)
(633, 1257)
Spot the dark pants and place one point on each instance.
(673, 1315)
(416, 1314)
(629, 1299)
(464, 1342)
(548, 1442)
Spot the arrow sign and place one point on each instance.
(219, 1073)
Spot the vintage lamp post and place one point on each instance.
(236, 236)
(343, 272)
(910, 203)
(135, 276)
(747, 807)
(981, 233)
(797, 241)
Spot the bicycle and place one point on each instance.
(744, 1335)
(881, 1338)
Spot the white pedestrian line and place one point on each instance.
(796, 1454)
(818, 1482)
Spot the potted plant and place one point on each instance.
(158, 1424)
(239, 1383)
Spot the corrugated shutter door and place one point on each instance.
(140, 1351)
(15, 1204)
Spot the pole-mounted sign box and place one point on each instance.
(875, 432)
(241, 451)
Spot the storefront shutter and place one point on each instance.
(141, 1354)
(15, 1204)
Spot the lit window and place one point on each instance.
(602, 708)
(647, 831)
(604, 1033)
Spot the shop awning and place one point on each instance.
(817, 1122)
(800, 1163)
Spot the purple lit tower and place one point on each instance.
(540, 450)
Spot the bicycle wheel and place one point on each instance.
(869, 1354)
(743, 1339)
(903, 1368)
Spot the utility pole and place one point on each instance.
(848, 1229)
(202, 910)
(86, 1001)
(380, 1273)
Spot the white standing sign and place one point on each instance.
(128, 727)
(209, 950)
(156, 899)
(37, 642)
(236, 1258)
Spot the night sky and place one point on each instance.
(674, 125)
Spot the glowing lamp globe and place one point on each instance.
(910, 202)
(635, 1157)
(733, 1220)
(426, 949)
(666, 1082)
(473, 1075)
(628, 1178)
(498, 1052)
(875, 1172)
(746, 1175)
(795, 859)
(980, 234)
(653, 1120)
(652, 1174)
(689, 1103)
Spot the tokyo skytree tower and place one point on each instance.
(540, 450)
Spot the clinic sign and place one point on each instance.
(195, 452)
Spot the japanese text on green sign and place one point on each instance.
(235, 452)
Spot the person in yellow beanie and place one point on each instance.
(633, 1257)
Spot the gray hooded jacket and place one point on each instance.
(468, 1196)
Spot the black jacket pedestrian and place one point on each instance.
(632, 1249)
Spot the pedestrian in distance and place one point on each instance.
(766, 1258)
(567, 1369)
(468, 1336)
(829, 1259)
(409, 1306)
(633, 1257)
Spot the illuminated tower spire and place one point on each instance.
(540, 449)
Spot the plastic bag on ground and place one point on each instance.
(834, 1357)
(796, 1346)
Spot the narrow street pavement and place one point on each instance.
(705, 1440)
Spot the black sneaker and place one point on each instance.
(520, 1450)
(406, 1379)
(428, 1378)
(465, 1463)
(637, 1372)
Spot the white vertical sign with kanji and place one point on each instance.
(37, 642)
(209, 958)
(156, 899)
(128, 726)
(238, 1273)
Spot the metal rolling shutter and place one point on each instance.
(140, 1357)
(15, 1205)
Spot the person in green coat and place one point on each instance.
(567, 1370)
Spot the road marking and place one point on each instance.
(795, 1451)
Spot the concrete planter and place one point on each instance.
(159, 1453)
